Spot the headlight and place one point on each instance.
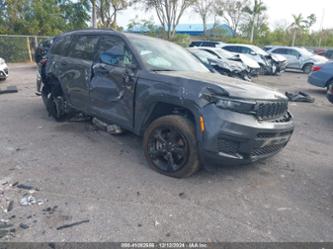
(237, 105)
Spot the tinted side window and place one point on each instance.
(61, 46)
(293, 52)
(231, 48)
(245, 50)
(329, 53)
(195, 44)
(209, 44)
(280, 51)
(84, 47)
(114, 51)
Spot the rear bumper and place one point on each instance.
(318, 79)
(235, 138)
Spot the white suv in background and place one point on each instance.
(3, 69)
(298, 58)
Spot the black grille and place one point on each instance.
(6, 71)
(267, 150)
(227, 146)
(271, 110)
(274, 134)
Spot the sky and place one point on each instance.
(279, 12)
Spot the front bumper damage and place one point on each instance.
(235, 138)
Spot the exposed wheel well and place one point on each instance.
(163, 109)
(307, 64)
(51, 83)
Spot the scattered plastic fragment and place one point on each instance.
(24, 226)
(28, 200)
(300, 97)
(73, 224)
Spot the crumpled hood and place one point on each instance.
(231, 65)
(235, 87)
(278, 58)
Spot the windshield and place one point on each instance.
(224, 53)
(160, 55)
(204, 56)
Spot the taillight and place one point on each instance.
(316, 68)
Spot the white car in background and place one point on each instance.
(3, 69)
(269, 64)
(298, 58)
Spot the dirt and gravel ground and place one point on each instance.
(84, 174)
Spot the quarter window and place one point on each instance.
(84, 47)
(61, 46)
(280, 51)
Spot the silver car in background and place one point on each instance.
(298, 58)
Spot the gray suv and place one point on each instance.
(187, 115)
(298, 58)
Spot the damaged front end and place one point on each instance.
(242, 130)
(235, 69)
(273, 64)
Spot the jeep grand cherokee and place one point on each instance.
(187, 115)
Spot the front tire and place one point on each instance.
(170, 146)
(54, 101)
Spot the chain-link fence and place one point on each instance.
(19, 48)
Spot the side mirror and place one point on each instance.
(110, 59)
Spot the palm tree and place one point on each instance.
(298, 24)
(255, 13)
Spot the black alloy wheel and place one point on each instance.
(170, 146)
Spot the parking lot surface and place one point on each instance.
(78, 173)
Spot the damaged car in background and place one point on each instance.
(188, 116)
(251, 65)
(270, 64)
(231, 68)
(3, 69)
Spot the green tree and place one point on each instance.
(297, 26)
(255, 13)
(76, 14)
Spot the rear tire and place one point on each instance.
(307, 68)
(170, 146)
